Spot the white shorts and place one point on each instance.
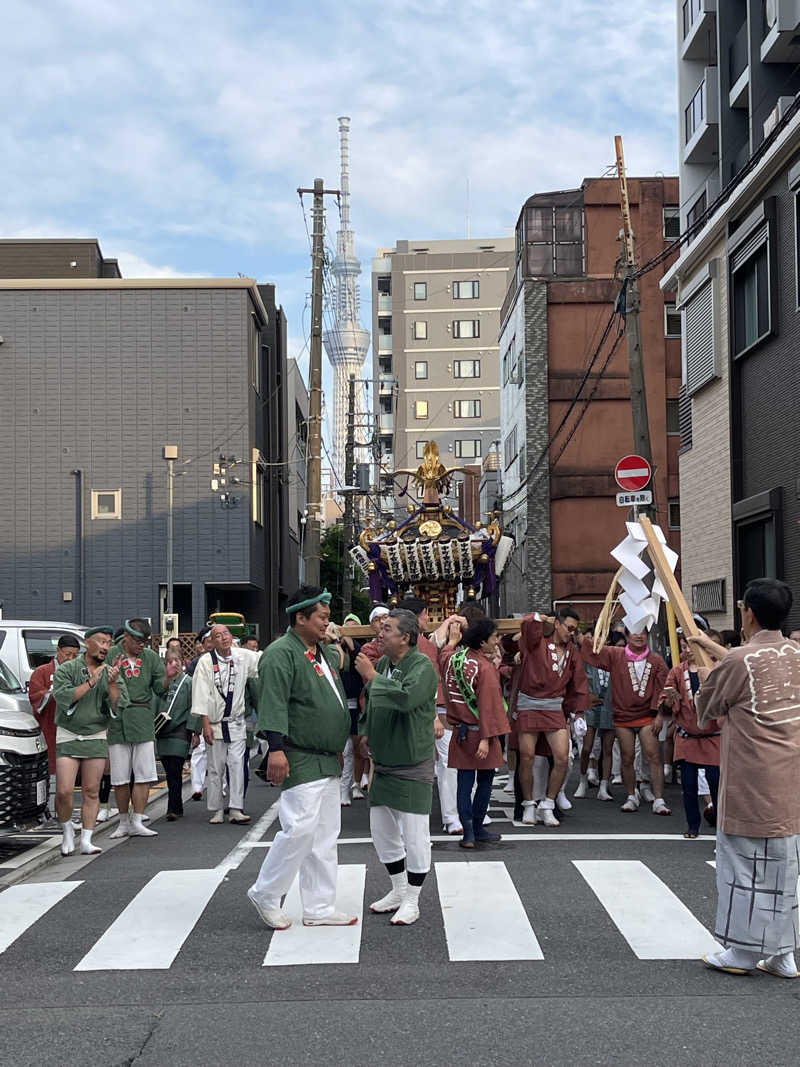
(137, 759)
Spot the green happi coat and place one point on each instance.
(144, 691)
(174, 738)
(398, 722)
(92, 713)
(301, 705)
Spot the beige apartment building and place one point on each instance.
(435, 327)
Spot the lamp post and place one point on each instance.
(170, 453)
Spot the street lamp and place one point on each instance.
(170, 453)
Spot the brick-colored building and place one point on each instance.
(559, 501)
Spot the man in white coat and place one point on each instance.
(218, 700)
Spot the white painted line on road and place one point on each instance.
(321, 944)
(543, 837)
(712, 863)
(654, 922)
(484, 919)
(23, 905)
(149, 933)
(239, 852)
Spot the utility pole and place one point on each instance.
(349, 480)
(641, 425)
(311, 554)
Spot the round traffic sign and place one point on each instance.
(633, 473)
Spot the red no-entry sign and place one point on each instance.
(633, 473)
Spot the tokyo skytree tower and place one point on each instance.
(347, 343)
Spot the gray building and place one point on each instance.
(737, 290)
(102, 372)
(435, 322)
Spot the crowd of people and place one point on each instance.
(450, 705)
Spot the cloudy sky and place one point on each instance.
(177, 131)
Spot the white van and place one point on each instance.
(24, 774)
(26, 645)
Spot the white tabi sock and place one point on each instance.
(87, 848)
(68, 840)
(123, 829)
(412, 893)
(737, 957)
(399, 882)
(138, 828)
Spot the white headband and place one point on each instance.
(377, 612)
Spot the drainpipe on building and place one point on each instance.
(79, 539)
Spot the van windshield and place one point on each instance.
(8, 680)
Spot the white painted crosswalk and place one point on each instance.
(473, 906)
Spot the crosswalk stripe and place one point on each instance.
(654, 922)
(321, 944)
(23, 905)
(484, 918)
(149, 933)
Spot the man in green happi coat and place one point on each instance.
(131, 737)
(88, 692)
(399, 726)
(302, 713)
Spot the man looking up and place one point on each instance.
(219, 686)
(755, 692)
(302, 712)
(552, 684)
(87, 691)
(131, 735)
(398, 726)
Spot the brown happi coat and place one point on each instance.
(492, 723)
(628, 703)
(703, 746)
(541, 677)
(756, 691)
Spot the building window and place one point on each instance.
(385, 325)
(420, 290)
(385, 284)
(466, 328)
(468, 449)
(506, 365)
(259, 478)
(467, 368)
(554, 240)
(510, 449)
(672, 221)
(421, 369)
(420, 409)
(751, 292)
(699, 335)
(466, 409)
(672, 321)
(466, 290)
(421, 330)
(254, 344)
(674, 514)
(673, 415)
(421, 449)
(106, 504)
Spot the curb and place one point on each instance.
(49, 850)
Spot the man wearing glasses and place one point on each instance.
(131, 736)
(552, 684)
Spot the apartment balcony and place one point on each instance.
(701, 121)
(699, 30)
(386, 422)
(385, 385)
(739, 70)
(386, 503)
(384, 343)
(781, 32)
(384, 303)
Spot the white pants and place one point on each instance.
(348, 769)
(137, 759)
(199, 761)
(220, 755)
(447, 782)
(310, 816)
(401, 835)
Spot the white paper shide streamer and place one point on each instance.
(640, 603)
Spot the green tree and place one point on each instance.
(331, 569)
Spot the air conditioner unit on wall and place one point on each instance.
(777, 113)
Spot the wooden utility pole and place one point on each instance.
(641, 426)
(349, 480)
(311, 553)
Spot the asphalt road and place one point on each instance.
(553, 947)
